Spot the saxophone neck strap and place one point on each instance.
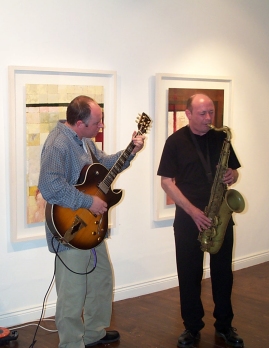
(205, 161)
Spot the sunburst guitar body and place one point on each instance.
(81, 229)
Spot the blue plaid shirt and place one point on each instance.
(62, 160)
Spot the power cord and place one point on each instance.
(50, 286)
(43, 306)
(35, 324)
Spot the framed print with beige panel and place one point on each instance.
(172, 93)
(38, 99)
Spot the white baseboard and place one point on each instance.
(172, 281)
(250, 260)
(145, 288)
(28, 315)
(33, 314)
(244, 262)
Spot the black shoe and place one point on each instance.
(111, 336)
(231, 337)
(188, 338)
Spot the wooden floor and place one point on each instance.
(153, 321)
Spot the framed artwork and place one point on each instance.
(38, 99)
(172, 93)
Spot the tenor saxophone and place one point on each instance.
(222, 202)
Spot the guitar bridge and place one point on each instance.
(77, 225)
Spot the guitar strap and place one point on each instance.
(94, 160)
(89, 151)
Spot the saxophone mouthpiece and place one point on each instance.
(211, 126)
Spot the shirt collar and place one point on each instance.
(69, 132)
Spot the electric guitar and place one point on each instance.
(81, 229)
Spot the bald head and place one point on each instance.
(79, 109)
(196, 98)
(200, 111)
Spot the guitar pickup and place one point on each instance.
(102, 186)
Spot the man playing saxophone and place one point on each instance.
(187, 168)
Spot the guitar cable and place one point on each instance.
(57, 255)
(51, 283)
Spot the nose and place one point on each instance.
(208, 116)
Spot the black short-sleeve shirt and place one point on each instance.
(180, 160)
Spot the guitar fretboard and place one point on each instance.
(114, 171)
(143, 125)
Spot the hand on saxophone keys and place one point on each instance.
(230, 177)
(200, 219)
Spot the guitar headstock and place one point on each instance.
(144, 122)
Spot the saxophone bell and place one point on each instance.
(235, 201)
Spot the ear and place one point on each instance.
(188, 113)
(79, 123)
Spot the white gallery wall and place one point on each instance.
(138, 39)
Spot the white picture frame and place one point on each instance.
(163, 82)
(19, 77)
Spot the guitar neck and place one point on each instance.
(114, 171)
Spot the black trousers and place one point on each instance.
(190, 272)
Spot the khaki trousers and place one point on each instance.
(89, 296)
